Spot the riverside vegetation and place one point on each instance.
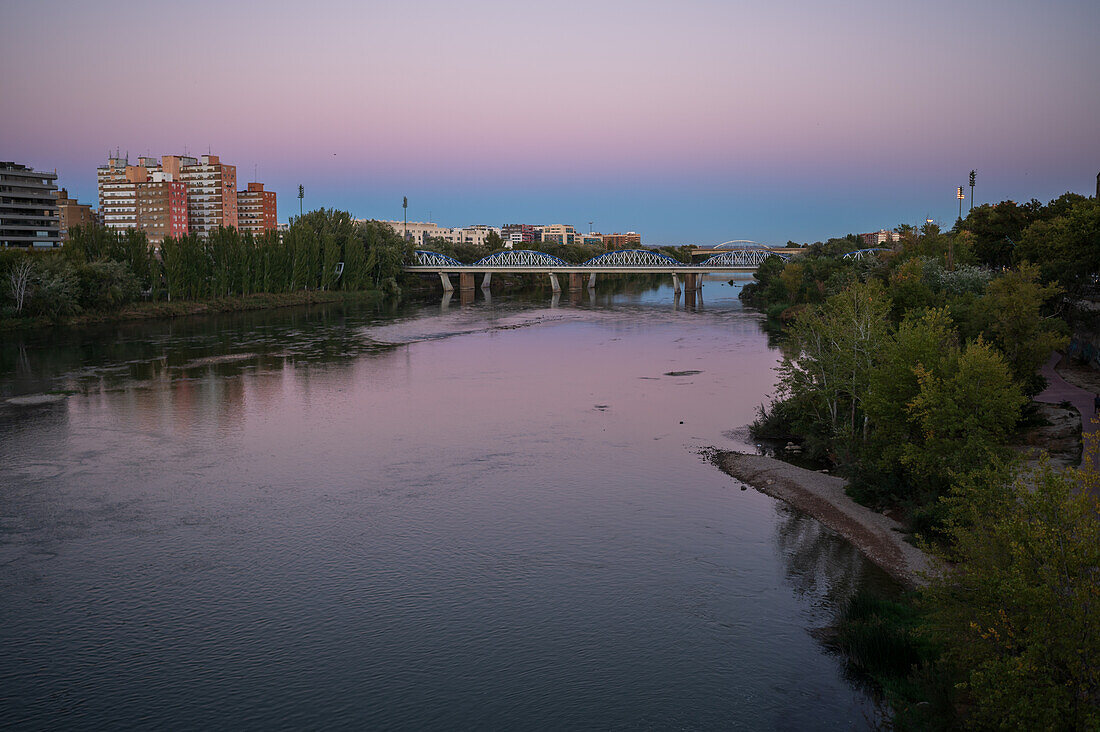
(99, 272)
(908, 372)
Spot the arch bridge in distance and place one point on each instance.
(617, 261)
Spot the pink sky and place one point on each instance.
(861, 114)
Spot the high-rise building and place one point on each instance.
(256, 209)
(211, 194)
(162, 208)
(28, 207)
(177, 195)
(117, 182)
(72, 213)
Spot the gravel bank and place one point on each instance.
(878, 537)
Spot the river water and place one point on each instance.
(428, 516)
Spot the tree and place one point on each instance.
(355, 264)
(1067, 247)
(1011, 313)
(833, 349)
(330, 258)
(997, 228)
(963, 416)
(493, 241)
(924, 343)
(1017, 612)
(19, 280)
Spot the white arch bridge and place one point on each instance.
(618, 261)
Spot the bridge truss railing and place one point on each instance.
(633, 259)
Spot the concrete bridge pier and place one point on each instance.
(693, 281)
(486, 280)
(689, 296)
(554, 283)
(592, 281)
(675, 283)
(446, 282)
(575, 281)
(466, 281)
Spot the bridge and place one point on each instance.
(618, 261)
(743, 245)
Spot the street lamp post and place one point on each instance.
(405, 207)
(973, 176)
(959, 194)
(301, 195)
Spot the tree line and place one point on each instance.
(910, 372)
(99, 268)
(572, 253)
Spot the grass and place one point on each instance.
(881, 638)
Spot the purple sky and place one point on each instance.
(689, 121)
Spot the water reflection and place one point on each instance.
(424, 517)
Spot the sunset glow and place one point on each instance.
(695, 121)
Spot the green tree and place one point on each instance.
(1067, 246)
(996, 229)
(964, 417)
(355, 264)
(330, 258)
(1011, 313)
(1017, 611)
(105, 285)
(924, 343)
(832, 351)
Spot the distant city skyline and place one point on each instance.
(690, 122)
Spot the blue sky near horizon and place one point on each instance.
(695, 121)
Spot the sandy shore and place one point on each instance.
(878, 537)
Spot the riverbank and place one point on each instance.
(148, 310)
(878, 537)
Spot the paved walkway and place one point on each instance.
(1059, 390)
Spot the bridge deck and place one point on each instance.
(573, 269)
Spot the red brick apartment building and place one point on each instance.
(256, 210)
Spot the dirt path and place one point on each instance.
(878, 537)
(1059, 390)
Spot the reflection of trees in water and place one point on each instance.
(113, 355)
(818, 561)
(821, 564)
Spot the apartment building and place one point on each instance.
(521, 234)
(629, 240)
(117, 182)
(418, 232)
(880, 237)
(421, 233)
(147, 196)
(72, 213)
(477, 234)
(211, 194)
(28, 207)
(162, 208)
(256, 209)
(560, 233)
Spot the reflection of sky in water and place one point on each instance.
(282, 522)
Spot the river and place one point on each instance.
(423, 516)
